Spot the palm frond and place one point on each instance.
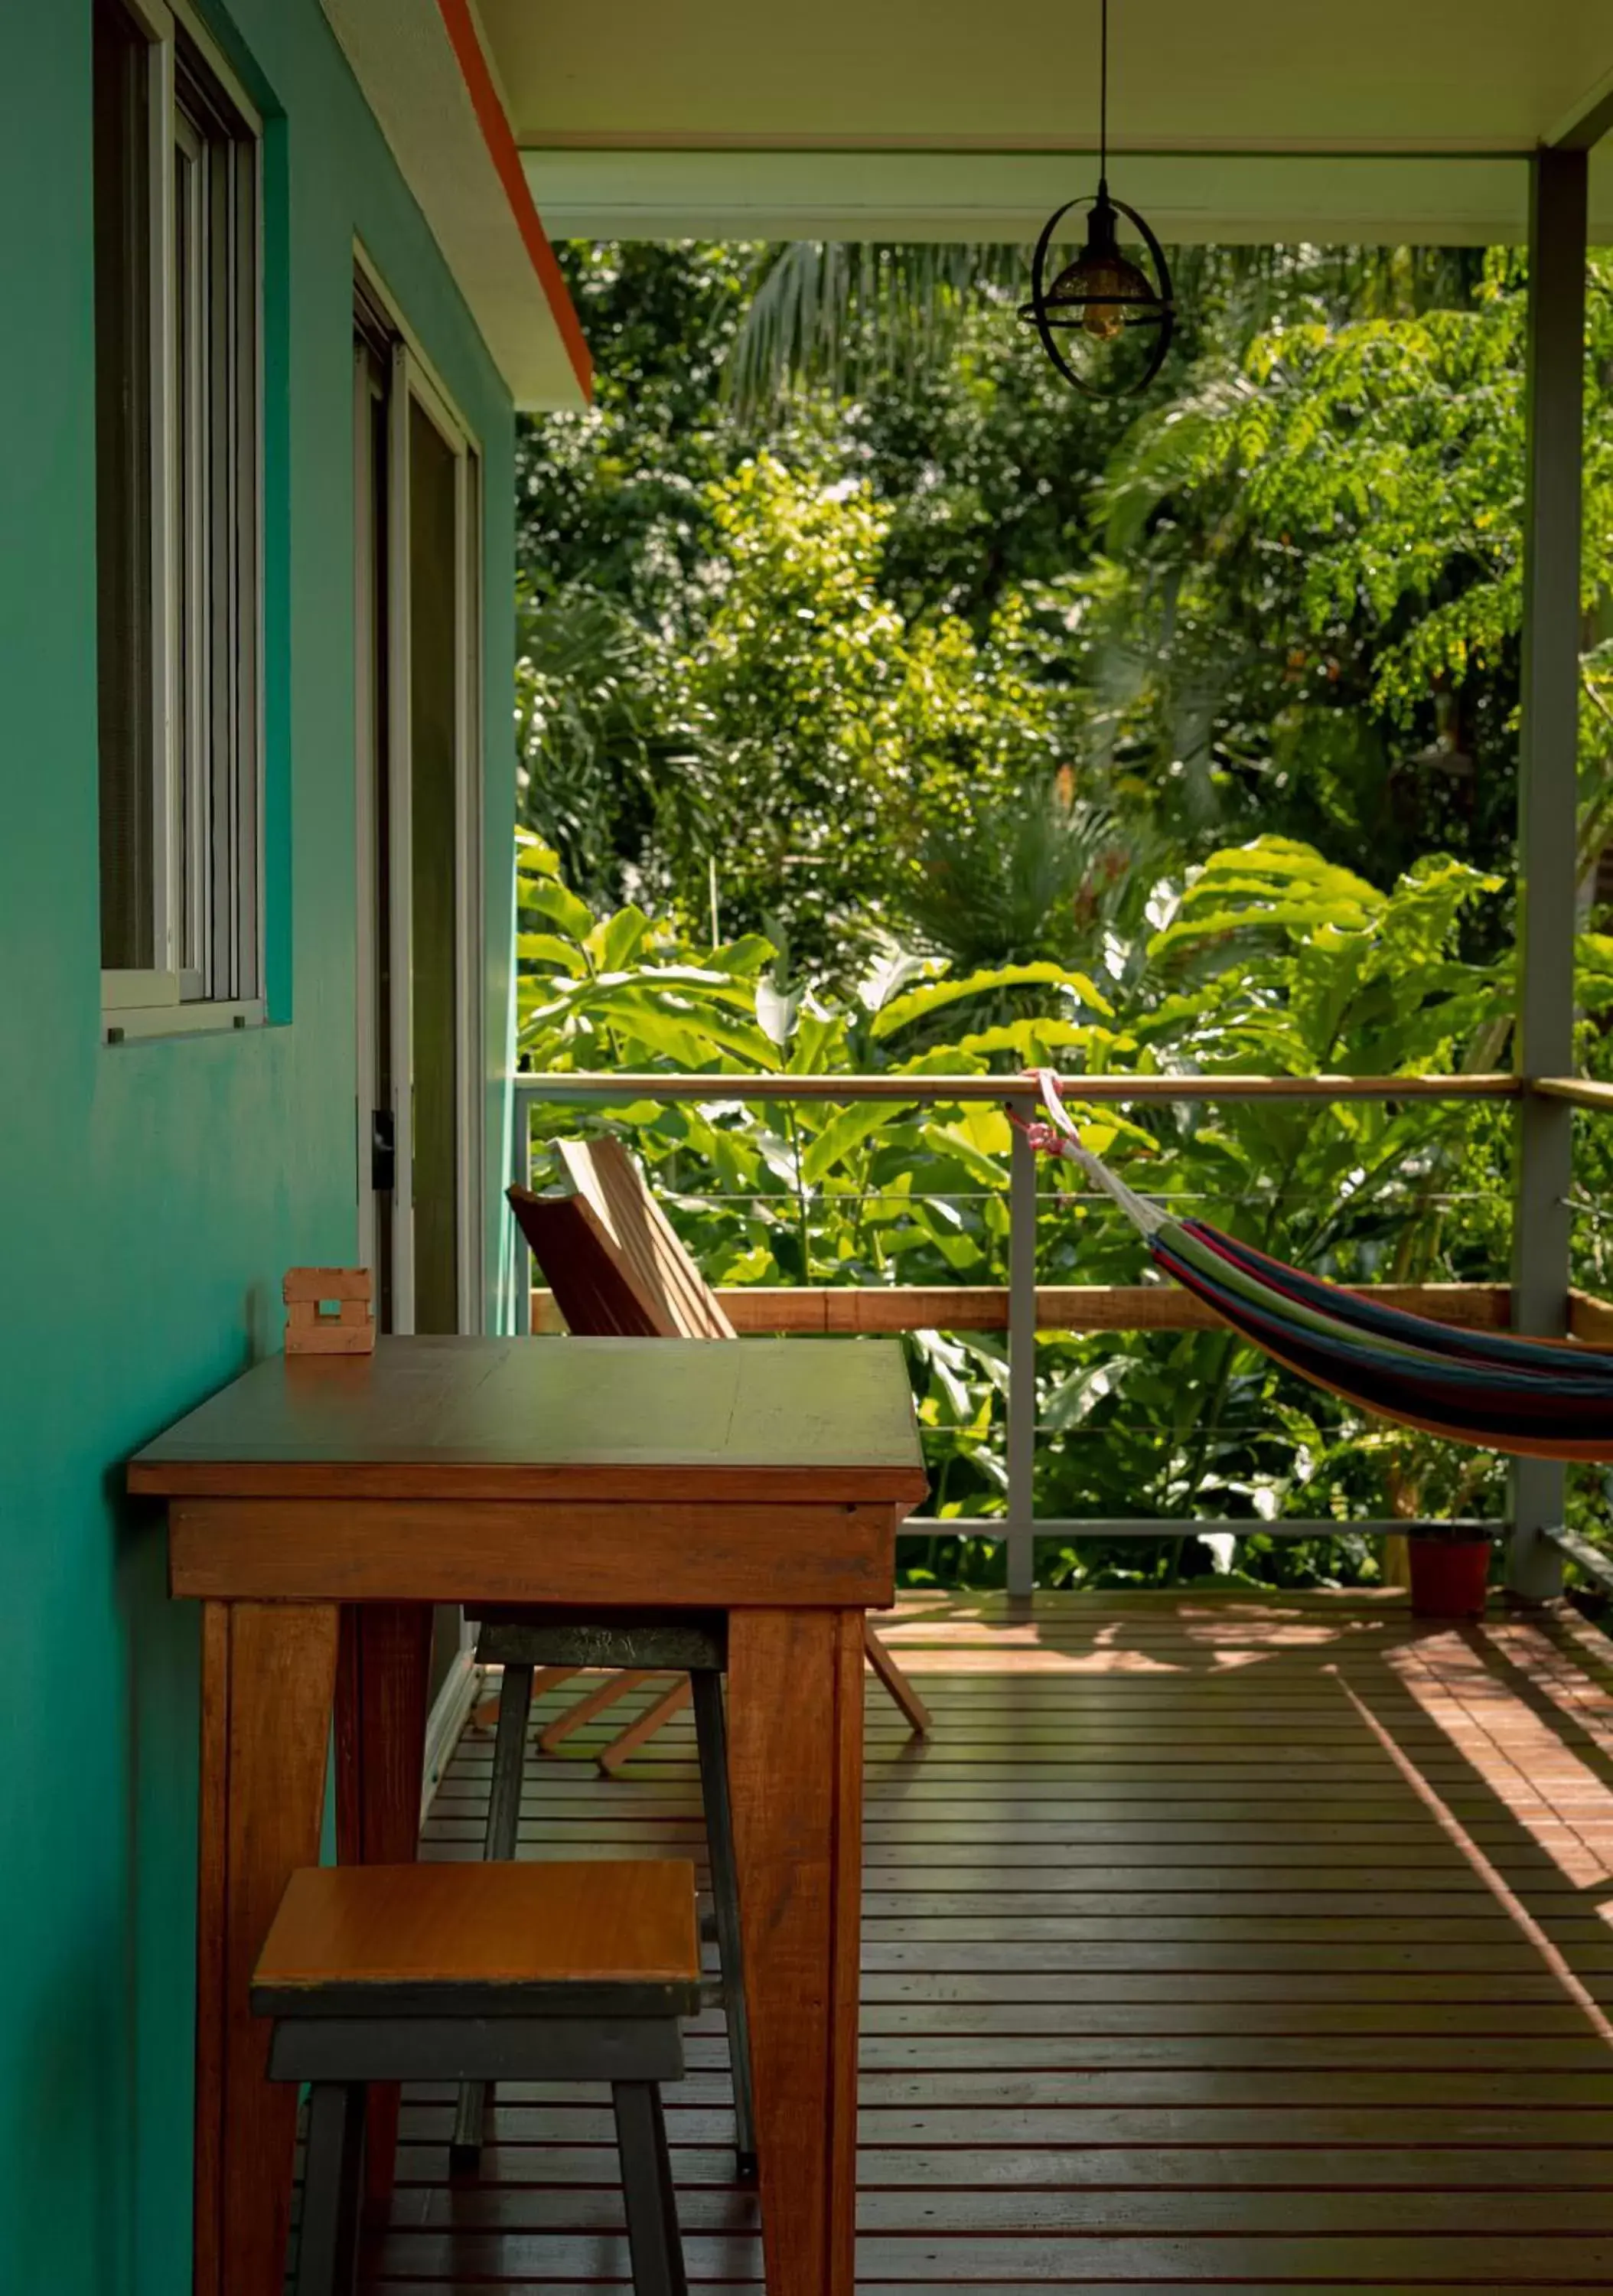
(1037, 874)
(830, 314)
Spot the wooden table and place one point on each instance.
(320, 1505)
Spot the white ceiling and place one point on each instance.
(1230, 118)
(1007, 196)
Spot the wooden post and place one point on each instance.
(382, 1683)
(794, 1676)
(267, 1671)
(1548, 807)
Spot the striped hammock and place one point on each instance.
(1549, 1398)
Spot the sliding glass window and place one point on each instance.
(178, 462)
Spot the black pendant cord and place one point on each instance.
(1104, 100)
(1102, 290)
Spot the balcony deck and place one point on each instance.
(1213, 1940)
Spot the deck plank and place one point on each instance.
(1175, 1975)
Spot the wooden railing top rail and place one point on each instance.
(843, 1309)
(1580, 1092)
(617, 1084)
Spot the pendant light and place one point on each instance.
(1102, 293)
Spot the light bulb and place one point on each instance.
(1105, 319)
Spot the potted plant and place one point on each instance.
(1450, 1564)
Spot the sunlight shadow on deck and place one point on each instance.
(1175, 1975)
(1508, 1899)
(1516, 1742)
(1217, 1633)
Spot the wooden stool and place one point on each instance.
(481, 1973)
(690, 1644)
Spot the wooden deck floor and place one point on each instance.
(1209, 1943)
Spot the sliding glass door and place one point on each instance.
(419, 960)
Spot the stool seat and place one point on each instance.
(672, 1642)
(526, 1939)
(480, 1973)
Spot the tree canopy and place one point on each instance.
(837, 567)
(883, 705)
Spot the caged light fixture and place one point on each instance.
(1102, 292)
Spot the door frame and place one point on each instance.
(412, 382)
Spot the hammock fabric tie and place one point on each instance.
(1499, 1391)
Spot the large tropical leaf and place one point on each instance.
(919, 1003)
(847, 1130)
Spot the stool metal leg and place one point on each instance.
(652, 2234)
(332, 2191)
(503, 1831)
(711, 1735)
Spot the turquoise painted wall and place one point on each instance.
(152, 1195)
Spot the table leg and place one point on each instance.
(267, 1674)
(795, 1761)
(382, 1689)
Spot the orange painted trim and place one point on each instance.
(466, 43)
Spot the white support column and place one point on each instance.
(1548, 804)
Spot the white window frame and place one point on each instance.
(172, 997)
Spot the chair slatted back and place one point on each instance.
(611, 1257)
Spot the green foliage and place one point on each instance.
(843, 316)
(1346, 977)
(1315, 557)
(888, 707)
(832, 730)
(836, 645)
(614, 498)
(810, 708)
(787, 761)
(846, 315)
(1387, 455)
(593, 738)
(1267, 958)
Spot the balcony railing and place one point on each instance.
(1023, 1307)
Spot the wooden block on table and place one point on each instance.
(317, 1284)
(329, 1311)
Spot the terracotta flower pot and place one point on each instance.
(1449, 1577)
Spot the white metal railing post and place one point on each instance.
(1022, 1537)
